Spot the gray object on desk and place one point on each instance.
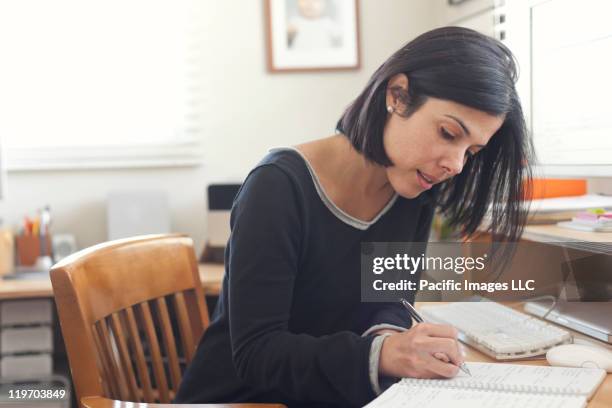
(137, 213)
(585, 303)
(591, 318)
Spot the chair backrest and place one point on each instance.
(128, 309)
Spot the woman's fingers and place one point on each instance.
(425, 351)
(438, 330)
(441, 368)
(441, 356)
(449, 347)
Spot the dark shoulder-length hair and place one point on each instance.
(463, 66)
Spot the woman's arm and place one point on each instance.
(264, 251)
(392, 318)
(392, 315)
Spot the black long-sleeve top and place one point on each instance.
(287, 327)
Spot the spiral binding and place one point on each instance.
(510, 388)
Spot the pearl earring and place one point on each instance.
(389, 108)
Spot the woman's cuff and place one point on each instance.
(382, 326)
(374, 361)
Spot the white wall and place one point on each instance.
(600, 185)
(247, 111)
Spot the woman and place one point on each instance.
(438, 125)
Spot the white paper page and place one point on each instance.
(514, 377)
(410, 396)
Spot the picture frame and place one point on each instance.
(312, 35)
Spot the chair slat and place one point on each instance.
(141, 364)
(158, 366)
(124, 355)
(116, 374)
(184, 326)
(169, 342)
(197, 312)
(109, 386)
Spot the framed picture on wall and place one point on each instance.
(312, 35)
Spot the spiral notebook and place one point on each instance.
(497, 386)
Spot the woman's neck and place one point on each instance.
(338, 163)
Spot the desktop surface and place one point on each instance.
(211, 276)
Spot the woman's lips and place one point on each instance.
(424, 181)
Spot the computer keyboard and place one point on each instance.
(496, 330)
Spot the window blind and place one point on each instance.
(100, 83)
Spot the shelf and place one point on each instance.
(598, 242)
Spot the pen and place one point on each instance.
(45, 220)
(417, 317)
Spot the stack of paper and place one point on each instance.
(592, 221)
(577, 203)
(552, 210)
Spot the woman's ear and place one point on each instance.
(397, 93)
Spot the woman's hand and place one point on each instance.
(413, 353)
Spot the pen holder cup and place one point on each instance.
(29, 248)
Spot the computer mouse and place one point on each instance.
(580, 355)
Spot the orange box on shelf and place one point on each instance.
(551, 188)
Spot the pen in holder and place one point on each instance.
(34, 242)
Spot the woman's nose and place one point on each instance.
(453, 162)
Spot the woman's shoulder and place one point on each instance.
(287, 158)
(281, 172)
(282, 163)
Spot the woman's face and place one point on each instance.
(433, 144)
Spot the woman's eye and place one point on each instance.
(450, 137)
(446, 134)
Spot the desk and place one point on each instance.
(96, 402)
(21, 289)
(601, 399)
(211, 276)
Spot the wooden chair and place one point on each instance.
(128, 309)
